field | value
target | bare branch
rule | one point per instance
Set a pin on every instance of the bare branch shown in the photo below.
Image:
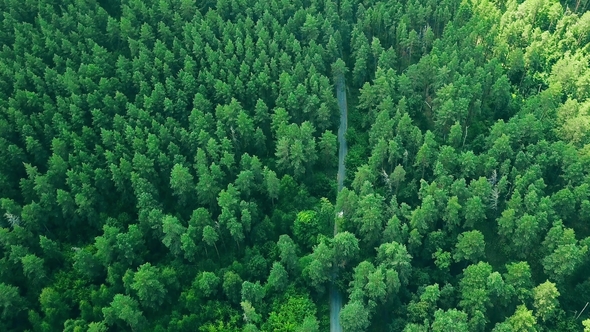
(12, 219)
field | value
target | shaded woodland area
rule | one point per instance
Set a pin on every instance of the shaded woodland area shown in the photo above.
(171, 165)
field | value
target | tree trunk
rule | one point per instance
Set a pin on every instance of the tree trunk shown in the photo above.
(217, 251)
(465, 137)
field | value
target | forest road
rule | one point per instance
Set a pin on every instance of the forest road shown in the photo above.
(341, 96)
(335, 296)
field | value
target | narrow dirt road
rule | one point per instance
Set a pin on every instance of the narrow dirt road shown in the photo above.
(341, 96)
(335, 296)
(335, 306)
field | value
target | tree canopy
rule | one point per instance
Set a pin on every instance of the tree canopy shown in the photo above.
(172, 165)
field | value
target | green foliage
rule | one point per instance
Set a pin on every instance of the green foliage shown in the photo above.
(306, 228)
(250, 315)
(339, 68)
(170, 165)
(519, 279)
(11, 301)
(207, 283)
(451, 320)
(545, 296)
(97, 327)
(173, 231)
(287, 251)
(278, 278)
(354, 317)
(470, 246)
(565, 254)
(125, 309)
(147, 282)
(346, 247)
(319, 268)
(295, 313)
(309, 324)
(232, 286)
(252, 292)
(182, 182)
(474, 293)
(395, 256)
(523, 320)
(53, 307)
(33, 268)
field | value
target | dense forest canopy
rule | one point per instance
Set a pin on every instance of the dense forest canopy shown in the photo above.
(171, 165)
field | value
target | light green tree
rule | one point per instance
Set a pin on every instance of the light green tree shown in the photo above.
(278, 278)
(207, 283)
(450, 320)
(125, 308)
(523, 320)
(182, 183)
(354, 317)
(470, 246)
(173, 231)
(545, 300)
(150, 289)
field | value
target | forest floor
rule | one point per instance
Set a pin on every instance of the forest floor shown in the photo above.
(335, 296)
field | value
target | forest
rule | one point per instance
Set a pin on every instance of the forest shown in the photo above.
(172, 165)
